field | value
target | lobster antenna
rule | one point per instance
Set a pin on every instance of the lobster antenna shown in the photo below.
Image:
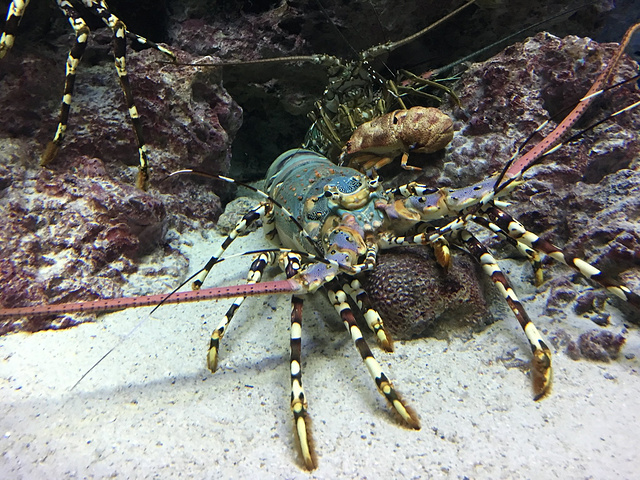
(516, 166)
(306, 255)
(167, 297)
(320, 59)
(378, 50)
(329, 60)
(565, 110)
(498, 186)
(507, 39)
(144, 320)
(337, 30)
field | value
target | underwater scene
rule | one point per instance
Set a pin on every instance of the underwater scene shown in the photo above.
(319, 239)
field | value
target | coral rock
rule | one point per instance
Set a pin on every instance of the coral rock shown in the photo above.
(415, 296)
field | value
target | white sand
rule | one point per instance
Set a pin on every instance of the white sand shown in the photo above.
(153, 410)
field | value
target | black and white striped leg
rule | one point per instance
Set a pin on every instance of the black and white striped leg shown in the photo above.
(291, 264)
(145, 41)
(516, 230)
(370, 314)
(73, 60)
(119, 53)
(254, 276)
(541, 361)
(100, 9)
(526, 250)
(262, 210)
(338, 299)
(14, 16)
(437, 236)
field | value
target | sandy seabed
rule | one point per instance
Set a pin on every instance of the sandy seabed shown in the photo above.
(151, 409)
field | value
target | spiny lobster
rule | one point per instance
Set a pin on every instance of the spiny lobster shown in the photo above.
(339, 218)
(82, 204)
(99, 8)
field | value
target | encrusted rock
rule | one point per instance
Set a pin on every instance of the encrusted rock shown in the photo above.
(76, 229)
(70, 236)
(597, 345)
(416, 297)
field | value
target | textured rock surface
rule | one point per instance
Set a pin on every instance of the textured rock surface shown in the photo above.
(70, 236)
(583, 198)
(78, 229)
(415, 296)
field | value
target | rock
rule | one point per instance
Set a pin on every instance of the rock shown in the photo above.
(596, 345)
(78, 228)
(416, 297)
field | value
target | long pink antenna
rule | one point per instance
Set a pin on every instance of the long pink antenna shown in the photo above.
(547, 143)
(109, 304)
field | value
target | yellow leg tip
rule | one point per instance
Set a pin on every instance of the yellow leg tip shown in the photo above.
(407, 415)
(302, 430)
(541, 374)
(49, 153)
(303, 440)
(212, 359)
(142, 182)
(384, 341)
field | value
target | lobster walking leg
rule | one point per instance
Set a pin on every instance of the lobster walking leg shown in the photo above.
(301, 420)
(14, 16)
(530, 253)
(516, 230)
(264, 209)
(73, 60)
(371, 315)
(100, 9)
(541, 361)
(338, 299)
(254, 276)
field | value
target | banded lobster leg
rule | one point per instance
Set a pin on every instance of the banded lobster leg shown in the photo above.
(456, 230)
(101, 10)
(541, 354)
(515, 230)
(370, 314)
(291, 264)
(264, 259)
(254, 276)
(530, 253)
(14, 17)
(338, 299)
